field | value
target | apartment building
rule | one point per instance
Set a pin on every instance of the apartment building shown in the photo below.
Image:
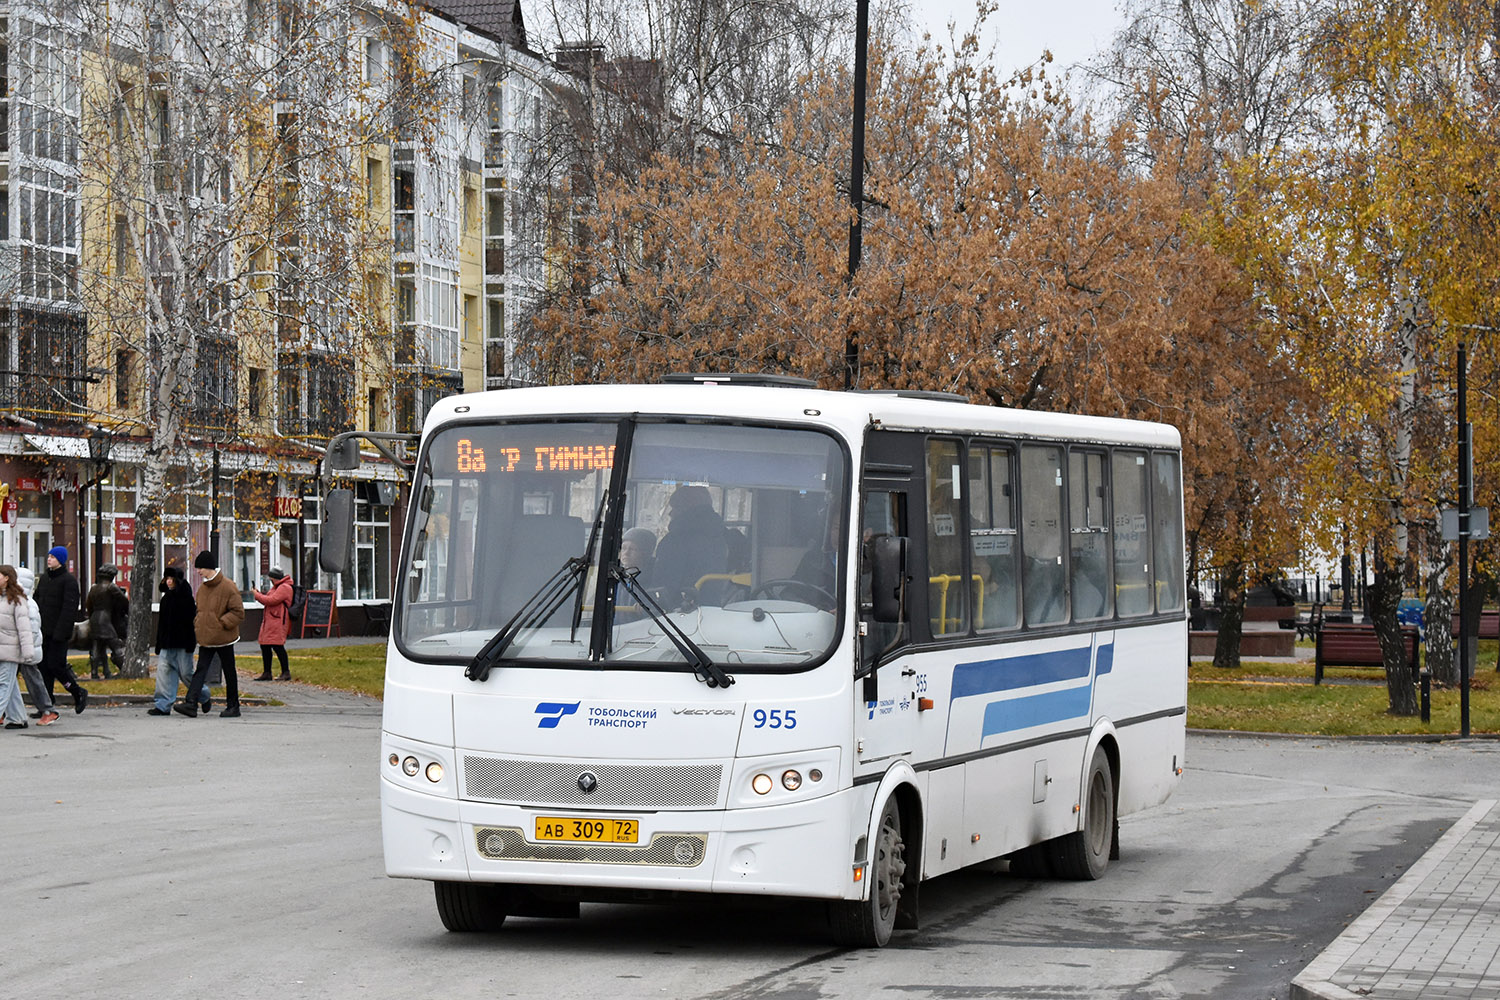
(245, 226)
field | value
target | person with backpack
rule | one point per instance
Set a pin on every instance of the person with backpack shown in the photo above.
(275, 622)
(15, 647)
(175, 641)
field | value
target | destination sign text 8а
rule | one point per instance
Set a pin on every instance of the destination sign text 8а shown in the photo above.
(537, 458)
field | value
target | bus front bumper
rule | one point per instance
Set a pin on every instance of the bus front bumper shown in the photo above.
(796, 849)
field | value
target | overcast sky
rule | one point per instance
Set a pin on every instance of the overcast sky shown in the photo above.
(1073, 29)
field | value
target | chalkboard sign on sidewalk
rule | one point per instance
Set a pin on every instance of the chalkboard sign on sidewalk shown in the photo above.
(321, 612)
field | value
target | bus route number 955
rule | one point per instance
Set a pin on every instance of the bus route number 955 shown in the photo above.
(776, 718)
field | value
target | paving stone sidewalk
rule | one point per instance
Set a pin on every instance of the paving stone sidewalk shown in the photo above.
(1434, 935)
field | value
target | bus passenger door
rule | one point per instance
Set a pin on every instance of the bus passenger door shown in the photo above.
(885, 693)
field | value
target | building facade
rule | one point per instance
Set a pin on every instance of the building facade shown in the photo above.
(232, 229)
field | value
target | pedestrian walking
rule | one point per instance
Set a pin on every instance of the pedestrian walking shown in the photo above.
(15, 647)
(216, 626)
(57, 599)
(275, 622)
(174, 642)
(42, 708)
(108, 611)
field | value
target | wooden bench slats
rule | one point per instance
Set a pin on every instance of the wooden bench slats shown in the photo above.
(1359, 646)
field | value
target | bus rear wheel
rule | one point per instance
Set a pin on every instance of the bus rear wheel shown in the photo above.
(868, 923)
(1084, 854)
(471, 906)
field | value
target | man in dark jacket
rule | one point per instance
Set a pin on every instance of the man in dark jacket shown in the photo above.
(57, 599)
(174, 641)
(108, 611)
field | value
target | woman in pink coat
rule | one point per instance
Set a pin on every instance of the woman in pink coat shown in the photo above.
(275, 622)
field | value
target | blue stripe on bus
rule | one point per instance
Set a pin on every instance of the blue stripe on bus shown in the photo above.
(987, 676)
(1035, 710)
(1106, 660)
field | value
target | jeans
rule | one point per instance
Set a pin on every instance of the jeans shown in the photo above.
(41, 698)
(173, 667)
(11, 705)
(206, 656)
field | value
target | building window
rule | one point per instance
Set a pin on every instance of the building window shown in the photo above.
(123, 378)
(378, 416)
(255, 405)
(122, 245)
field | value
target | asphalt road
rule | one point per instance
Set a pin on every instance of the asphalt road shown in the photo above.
(201, 858)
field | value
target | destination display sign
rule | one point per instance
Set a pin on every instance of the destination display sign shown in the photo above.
(553, 457)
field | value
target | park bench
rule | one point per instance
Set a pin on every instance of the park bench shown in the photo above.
(1489, 624)
(1359, 646)
(1284, 615)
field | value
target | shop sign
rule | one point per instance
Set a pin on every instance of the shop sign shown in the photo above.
(288, 507)
(125, 548)
(124, 529)
(29, 483)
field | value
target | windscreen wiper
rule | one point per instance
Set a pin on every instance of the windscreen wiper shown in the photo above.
(588, 555)
(705, 669)
(538, 608)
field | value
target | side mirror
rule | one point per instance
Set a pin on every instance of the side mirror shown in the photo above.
(888, 578)
(336, 548)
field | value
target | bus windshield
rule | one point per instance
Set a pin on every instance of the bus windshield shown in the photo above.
(726, 532)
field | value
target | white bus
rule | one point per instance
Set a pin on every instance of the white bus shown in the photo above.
(746, 636)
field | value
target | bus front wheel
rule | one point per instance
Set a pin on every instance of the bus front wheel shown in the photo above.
(868, 923)
(1084, 854)
(471, 906)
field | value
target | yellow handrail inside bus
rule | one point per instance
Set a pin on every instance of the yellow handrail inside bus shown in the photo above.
(941, 623)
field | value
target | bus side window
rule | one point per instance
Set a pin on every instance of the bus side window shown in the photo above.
(1088, 536)
(992, 537)
(1166, 508)
(1044, 590)
(1132, 534)
(948, 589)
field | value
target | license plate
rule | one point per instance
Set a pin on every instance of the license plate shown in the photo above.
(592, 831)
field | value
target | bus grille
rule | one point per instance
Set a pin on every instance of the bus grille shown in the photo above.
(674, 850)
(620, 786)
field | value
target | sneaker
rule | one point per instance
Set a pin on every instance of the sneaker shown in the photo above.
(208, 704)
(232, 712)
(153, 710)
(80, 699)
(186, 708)
(47, 719)
(16, 725)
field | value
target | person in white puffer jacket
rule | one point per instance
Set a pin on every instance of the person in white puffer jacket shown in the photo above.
(41, 699)
(15, 646)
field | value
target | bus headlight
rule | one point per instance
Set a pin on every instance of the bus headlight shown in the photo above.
(791, 780)
(411, 767)
(761, 783)
(434, 772)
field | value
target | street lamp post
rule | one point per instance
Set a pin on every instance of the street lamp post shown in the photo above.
(100, 445)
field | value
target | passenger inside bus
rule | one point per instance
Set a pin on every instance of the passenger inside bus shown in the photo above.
(697, 544)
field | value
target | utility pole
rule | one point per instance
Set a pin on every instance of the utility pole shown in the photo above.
(857, 174)
(1465, 491)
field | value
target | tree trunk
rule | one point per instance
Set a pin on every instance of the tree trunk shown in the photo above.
(1231, 624)
(141, 639)
(1437, 616)
(1385, 595)
(1473, 605)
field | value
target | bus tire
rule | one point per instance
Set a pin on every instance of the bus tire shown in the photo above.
(1084, 854)
(867, 923)
(470, 906)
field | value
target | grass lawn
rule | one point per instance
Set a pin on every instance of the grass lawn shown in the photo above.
(360, 669)
(1262, 697)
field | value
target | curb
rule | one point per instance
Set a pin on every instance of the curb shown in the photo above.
(1315, 981)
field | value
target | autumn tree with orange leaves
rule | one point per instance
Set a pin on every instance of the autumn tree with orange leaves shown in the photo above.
(1013, 253)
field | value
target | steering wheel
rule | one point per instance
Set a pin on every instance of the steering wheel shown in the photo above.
(796, 590)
